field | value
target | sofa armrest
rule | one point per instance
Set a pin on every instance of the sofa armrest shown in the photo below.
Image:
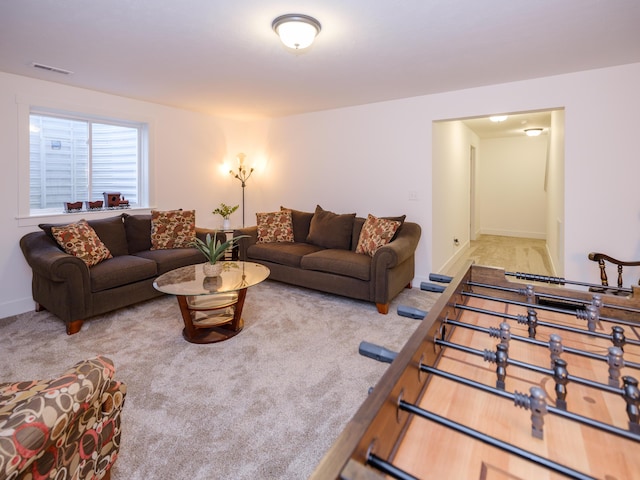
(246, 242)
(399, 250)
(36, 410)
(47, 260)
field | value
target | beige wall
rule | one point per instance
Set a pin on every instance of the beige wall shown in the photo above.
(511, 192)
(361, 159)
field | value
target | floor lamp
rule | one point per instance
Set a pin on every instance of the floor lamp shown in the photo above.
(243, 176)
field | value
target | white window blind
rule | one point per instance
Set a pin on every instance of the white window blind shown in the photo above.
(78, 159)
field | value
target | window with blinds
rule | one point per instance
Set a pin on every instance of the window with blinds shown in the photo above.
(74, 159)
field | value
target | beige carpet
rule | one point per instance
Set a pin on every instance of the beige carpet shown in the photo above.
(266, 404)
(513, 254)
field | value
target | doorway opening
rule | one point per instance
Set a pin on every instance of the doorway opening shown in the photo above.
(502, 188)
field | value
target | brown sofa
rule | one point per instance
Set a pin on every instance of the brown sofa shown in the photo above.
(341, 271)
(65, 286)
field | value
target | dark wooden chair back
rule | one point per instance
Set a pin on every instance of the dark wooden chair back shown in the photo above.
(602, 260)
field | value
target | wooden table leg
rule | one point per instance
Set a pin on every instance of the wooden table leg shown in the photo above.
(189, 329)
(216, 333)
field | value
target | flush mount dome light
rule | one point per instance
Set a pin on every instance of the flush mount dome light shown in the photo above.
(498, 118)
(295, 30)
(533, 132)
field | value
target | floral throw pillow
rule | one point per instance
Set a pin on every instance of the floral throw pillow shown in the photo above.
(172, 229)
(80, 240)
(376, 233)
(275, 227)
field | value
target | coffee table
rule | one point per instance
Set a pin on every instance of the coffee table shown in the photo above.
(211, 307)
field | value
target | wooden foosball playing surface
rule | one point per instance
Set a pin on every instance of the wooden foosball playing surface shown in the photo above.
(504, 381)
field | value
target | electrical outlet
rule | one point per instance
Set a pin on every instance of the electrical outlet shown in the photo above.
(413, 195)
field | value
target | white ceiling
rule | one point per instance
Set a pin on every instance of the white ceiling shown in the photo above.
(513, 126)
(221, 56)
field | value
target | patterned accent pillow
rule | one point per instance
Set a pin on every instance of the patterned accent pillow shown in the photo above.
(275, 227)
(376, 233)
(172, 229)
(82, 241)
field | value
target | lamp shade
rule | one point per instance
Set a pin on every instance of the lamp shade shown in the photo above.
(296, 31)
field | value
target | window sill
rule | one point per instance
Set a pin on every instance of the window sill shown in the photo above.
(70, 217)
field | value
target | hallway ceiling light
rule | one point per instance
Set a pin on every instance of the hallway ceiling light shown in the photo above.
(533, 132)
(498, 118)
(295, 30)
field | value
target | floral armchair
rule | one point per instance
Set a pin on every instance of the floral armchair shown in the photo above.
(67, 427)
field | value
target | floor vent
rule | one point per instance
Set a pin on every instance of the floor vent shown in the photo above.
(52, 69)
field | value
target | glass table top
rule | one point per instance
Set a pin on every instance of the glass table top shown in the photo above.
(191, 280)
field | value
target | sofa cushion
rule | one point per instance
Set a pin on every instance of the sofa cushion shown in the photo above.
(122, 270)
(339, 262)
(82, 241)
(359, 223)
(171, 258)
(301, 222)
(110, 230)
(275, 227)
(283, 253)
(330, 230)
(138, 231)
(172, 229)
(376, 233)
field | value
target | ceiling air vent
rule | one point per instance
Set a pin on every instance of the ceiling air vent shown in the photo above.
(52, 69)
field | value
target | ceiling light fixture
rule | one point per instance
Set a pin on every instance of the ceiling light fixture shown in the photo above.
(533, 132)
(295, 30)
(498, 118)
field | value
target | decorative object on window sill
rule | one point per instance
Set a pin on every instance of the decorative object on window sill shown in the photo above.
(243, 176)
(97, 205)
(225, 212)
(114, 199)
(296, 31)
(72, 206)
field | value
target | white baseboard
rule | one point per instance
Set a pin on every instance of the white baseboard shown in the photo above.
(448, 266)
(16, 307)
(415, 283)
(511, 233)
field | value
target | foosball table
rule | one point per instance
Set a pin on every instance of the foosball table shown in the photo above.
(504, 380)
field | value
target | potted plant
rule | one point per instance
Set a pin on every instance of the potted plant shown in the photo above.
(225, 212)
(213, 250)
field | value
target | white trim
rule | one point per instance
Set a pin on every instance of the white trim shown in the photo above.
(34, 220)
(511, 233)
(28, 104)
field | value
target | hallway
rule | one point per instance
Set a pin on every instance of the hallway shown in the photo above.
(527, 255)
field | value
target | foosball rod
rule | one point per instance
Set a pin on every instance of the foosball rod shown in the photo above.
(560, 281)
(612, 429)
(545, 308)
(387, 468)
(539, 343)
(522, 319)
(494, 442)
(383, 354)
(447, 279)
(549, 296)
(531, 367)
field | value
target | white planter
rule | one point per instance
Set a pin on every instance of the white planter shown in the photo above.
(226, 224)
(212, 269)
